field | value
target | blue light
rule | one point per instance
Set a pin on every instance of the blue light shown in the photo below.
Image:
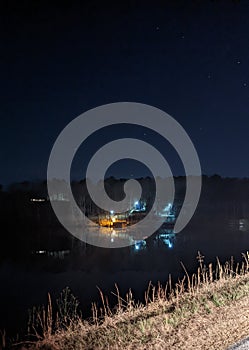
(170, 245)
(137, 246)
(112, 212)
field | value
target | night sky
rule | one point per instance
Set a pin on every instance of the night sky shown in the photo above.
(188, 58)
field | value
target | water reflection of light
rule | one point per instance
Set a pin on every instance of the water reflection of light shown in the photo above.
(167, 242)
(167, 237)
(244, 225)
(140, 245)
(137, 240)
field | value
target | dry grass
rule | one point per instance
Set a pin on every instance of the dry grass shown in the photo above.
(209, 310)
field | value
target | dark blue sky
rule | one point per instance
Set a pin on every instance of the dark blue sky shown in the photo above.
(189, 58)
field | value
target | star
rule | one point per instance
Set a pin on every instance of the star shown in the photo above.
(157, 28)
(209, 76)
(238, 62)
(245, 84)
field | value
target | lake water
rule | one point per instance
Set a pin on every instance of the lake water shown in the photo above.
(25, 284)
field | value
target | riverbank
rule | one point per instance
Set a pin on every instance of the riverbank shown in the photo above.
(208, 310)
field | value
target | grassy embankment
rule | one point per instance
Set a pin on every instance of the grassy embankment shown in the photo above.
(208, 310)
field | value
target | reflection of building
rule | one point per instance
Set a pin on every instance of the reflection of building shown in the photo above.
(244, 224)
(58, 254)
(167, 237)
(139, 245)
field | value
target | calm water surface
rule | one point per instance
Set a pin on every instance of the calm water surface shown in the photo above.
(26, 284)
